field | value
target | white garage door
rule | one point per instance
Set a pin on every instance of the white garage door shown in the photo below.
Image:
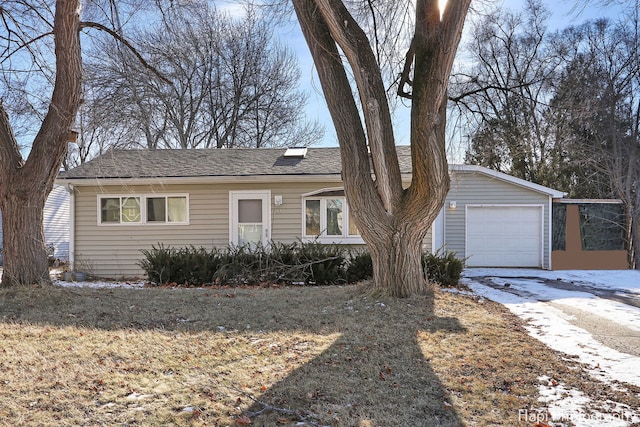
(504, 236)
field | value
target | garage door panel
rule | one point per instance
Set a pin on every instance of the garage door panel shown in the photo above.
(504, 236)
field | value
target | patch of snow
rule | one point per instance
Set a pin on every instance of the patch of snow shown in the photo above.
(137, 396)
(606, 279)
(525, 293)
(563, 405)
(551, 326)
(622, 314)
(100, 284)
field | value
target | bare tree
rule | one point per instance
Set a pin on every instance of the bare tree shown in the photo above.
(231, 84)
(597, 114)
(34, 36)
(392, 220)
(25, 184)
(505, 93)
(558, 109)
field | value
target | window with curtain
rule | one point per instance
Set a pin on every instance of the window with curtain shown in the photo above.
(157, 209)
(326, 215)
(117, 210)
(110, 210)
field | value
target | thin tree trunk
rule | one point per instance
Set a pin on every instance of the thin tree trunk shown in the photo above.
(634, 233)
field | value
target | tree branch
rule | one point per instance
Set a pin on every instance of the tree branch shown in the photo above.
(487, 88)
(375, 28)
(145, 64)
(406, 71)
(23, 45)
(341, 104)
(9, 151)
(346, 32)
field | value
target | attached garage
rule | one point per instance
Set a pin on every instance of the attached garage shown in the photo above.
(491, 219)
(504, 236)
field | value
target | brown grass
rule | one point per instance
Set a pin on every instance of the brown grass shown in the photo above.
(325, 356)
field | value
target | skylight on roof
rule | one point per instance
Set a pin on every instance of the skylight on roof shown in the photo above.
(296, 152)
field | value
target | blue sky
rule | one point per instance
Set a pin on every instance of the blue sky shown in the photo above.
(564, 14)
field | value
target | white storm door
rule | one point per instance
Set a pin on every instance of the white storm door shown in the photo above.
(250, 217)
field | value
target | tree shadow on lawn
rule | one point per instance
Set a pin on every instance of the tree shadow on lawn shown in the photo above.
(373, 374)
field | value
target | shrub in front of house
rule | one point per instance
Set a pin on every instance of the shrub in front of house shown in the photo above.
(159, 263)
(301, 263)
(443, 268)
(322, 264)
(360, 267)
(308, 263)
(188, 266)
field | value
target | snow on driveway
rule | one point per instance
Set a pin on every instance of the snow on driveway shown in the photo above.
(591, 315)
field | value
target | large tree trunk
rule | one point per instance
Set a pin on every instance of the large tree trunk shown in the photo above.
(396, 241)
(397, 262)
(24, 253)
(393, 221)
(25, 185)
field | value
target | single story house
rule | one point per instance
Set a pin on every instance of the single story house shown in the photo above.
(56, 223)
(127, 200)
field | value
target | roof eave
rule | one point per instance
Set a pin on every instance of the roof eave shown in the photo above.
(196, 179)
(511, 179)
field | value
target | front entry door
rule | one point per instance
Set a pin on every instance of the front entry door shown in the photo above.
(250, 215)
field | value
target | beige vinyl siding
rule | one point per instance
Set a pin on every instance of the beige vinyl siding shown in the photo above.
(113, 250)
(480, 189)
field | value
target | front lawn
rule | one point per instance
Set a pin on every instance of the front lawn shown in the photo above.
(287, 356)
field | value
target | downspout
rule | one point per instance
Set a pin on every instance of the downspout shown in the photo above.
(72, 222)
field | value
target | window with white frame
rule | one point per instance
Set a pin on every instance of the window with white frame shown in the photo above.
(326, 216)
(141, 209)
(167, 209)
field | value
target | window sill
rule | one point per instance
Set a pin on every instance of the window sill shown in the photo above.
(337, 240)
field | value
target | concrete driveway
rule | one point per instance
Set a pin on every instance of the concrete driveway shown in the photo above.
(594, 315)
(609, 332)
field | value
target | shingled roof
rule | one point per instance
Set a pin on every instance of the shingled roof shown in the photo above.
(215, 163)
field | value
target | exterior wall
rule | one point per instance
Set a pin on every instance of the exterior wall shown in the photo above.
(575, 258)
(479, 189)
(56, 221)
(114, 250)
